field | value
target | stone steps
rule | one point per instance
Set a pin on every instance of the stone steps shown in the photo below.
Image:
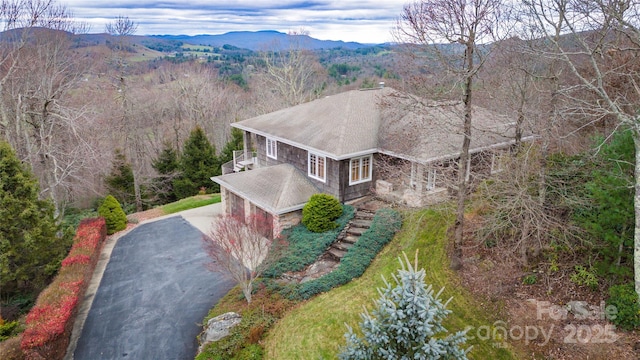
(356, 231)
(356, 227)
(336, 254)
(360, 223)
(362, 214)
(342, 245)
(350, 239)
(331, 258)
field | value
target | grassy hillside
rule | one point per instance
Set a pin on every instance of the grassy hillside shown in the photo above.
(315, 329)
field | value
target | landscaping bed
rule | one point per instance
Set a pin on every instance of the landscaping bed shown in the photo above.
(316, 327)
(274, 299)
(49, 323)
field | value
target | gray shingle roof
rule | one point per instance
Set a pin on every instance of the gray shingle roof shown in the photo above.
(277, 189)
(338, 126)
(360, 122)
(425, 132)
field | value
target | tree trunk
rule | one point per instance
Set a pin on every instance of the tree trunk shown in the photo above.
(636, 208)
(521, 105)
(464, 159)
(135, 161)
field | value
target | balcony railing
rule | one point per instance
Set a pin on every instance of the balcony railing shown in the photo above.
(239, 162)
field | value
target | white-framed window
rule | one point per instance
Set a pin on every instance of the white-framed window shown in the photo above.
(272, 148)
(360, 169)
(317, 167)
(431, 178)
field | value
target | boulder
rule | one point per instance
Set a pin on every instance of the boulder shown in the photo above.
(218, 328)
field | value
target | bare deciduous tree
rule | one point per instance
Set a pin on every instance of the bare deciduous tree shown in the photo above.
(294, 73)
(121, 26)
(38, 76)
(519, 223)
(427, 23)
(241, 248)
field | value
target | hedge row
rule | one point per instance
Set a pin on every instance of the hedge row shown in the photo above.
(50, 321)
(305, 246)
(385, 224)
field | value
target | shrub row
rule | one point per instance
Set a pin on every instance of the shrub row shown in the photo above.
(305, 246)
(383, 227)
(50, 321)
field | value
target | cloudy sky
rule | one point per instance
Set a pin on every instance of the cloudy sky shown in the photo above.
(367, 21)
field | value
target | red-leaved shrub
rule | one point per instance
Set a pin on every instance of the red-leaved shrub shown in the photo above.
(77, 259)
(50, 321)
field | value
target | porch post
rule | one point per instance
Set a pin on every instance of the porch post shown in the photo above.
(419, 181)
(246, 140)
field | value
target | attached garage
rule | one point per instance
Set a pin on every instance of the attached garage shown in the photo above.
(276, 193)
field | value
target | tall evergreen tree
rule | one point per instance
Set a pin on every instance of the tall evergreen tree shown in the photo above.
(30, 249)
(607, 213)
(120, 179)
(197, 165)
(236, 143)
(167, 165)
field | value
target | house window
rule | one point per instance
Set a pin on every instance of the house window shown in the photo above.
(431, 178)
(317, 167)
(272, 148)
(360, 170)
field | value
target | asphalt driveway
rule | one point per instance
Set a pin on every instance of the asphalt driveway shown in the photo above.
(153, 295)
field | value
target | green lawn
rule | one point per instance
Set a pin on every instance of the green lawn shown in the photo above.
(315, 329)
(190, 203)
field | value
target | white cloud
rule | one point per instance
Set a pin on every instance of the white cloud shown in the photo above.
(362, 21)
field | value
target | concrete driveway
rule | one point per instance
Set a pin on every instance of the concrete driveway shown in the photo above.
(153, 294)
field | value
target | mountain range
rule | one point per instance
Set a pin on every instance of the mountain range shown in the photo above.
(261, 40)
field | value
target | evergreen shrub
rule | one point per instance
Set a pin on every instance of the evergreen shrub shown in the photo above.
(31, 241)
(625, 299)
(113, 215)
(319, 213)
(8, 329)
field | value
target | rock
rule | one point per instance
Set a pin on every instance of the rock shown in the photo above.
(456, 263)
(218, 328)
(318, 269)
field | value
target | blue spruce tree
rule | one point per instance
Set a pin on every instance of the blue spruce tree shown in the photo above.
(406, 323)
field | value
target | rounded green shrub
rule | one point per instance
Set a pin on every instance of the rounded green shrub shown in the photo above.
(625, 299)
(318, 214)
(113, 215)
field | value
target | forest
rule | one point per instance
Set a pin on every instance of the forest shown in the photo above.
(147, 121)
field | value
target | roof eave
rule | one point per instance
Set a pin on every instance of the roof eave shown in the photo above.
(303, 146)
(453, 155)
(258, 203)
